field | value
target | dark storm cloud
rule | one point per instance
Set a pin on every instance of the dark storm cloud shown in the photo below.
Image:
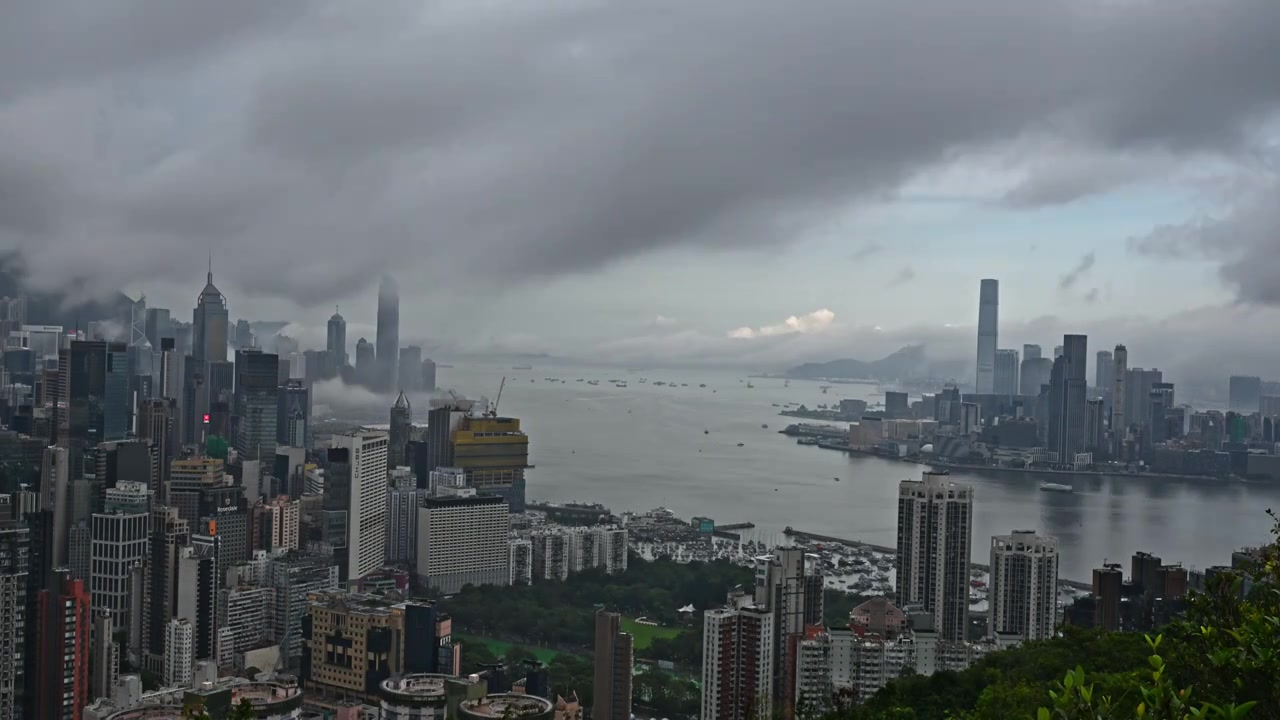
(1081, 268)
(313, 146)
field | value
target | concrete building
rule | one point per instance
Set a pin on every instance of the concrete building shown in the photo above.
(188, 479)
(988, 335)
(1024, 585)
(401, 432)
(244, 620)
(403, 500)
(1244, 393)
(209, 325)
(790, 585)
(737, 661)
(1006, 372)
(426, 696)
(521, 561)
(813, 676)
(864, 661)
(574, 549)
(463, 541)
(494, 453)
(1119, 423)
(550, 556)
(1068, 392)
(293, 417)
(58, 678)
(179, 657)
(1104, 370)
(14, 578)
(168, 535)
(336, 344)
(257, 403)
(935, 534)
(119, 543)
(197, 593)
(104, 655)
(276, 524)
(293, 579)
(613, 669)
(356, 476)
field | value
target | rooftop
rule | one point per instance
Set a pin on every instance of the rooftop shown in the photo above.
(507, 706)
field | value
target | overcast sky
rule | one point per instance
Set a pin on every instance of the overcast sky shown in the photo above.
(718, 179)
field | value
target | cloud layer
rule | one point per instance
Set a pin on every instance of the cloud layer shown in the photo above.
(313, 146)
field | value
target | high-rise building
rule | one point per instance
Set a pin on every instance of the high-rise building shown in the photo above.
(244, 613)
(1119, 398)
(1104, 372)
(521, 561)
(156, 425)
(988, 332)
(1033, 373)
(814, 687)
(388, 339)
(935, 535)
(790, 585)
(188, 479)
(737, 661)
(463, 541)
(1108, 586)
(428, 375)
(14, 578)
(1006, 372)
(169, 534)
(119, 536)
(410, 368)
(293, 415)
(158, 326)
(275, 524)
(494, 453)
(179, 653)
(1095, 427)
(59, 686)
(366, 363)
(293, 579)
(401, 432)
(1031, 352)
(442, 422)
(1160, 402)
(1244, 393)
(1138, 385)
(403, 500)
(93, 396)
(613, 668)
(256, 403)
(357, 468)
(1068, 391)
(198, 582)
(104, 658)
(209, 325)
(1024, 585)
(336, 343)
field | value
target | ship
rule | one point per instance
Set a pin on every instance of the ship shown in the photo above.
(1056, 487)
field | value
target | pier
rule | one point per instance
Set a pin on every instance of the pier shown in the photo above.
(727, 532)
(792, 532)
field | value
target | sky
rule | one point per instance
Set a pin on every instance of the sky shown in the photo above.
(720, 181)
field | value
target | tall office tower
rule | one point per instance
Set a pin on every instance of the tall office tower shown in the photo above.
(209, 325)
(1119, 397)
(198, 582)
(988, 331)
(357, 469)
(256, 404)
(613, 668)
(494, 453)
(1160, 403)
(403, 500)
(1244, 393)
(366, 363)
(59, 687)
(790, 585)
(119, 536)
(55, 490)
(1006, 378)
(293, 415)
(442, 422)
(224, 512)
(156, 425)
(242, 335)
(428, 375)
(1138, 385)
(1031, 352)
(1095, 427)
(1024, 585)
(157, 326)
(179, 653)
(290, 471)
(336, 343)
(401, 432)
(293, 578)
(1035, 372)
(1108, 585)
(410, 368)
(1057, 351)
(1104, 371)
(1068, 391)
(275, 526)
(105, 656)
(388, 338)
(126, 461)
(188, 478)
(935, 535)
(737, 661)
(14, 577)
(463, 541)
(93, 392)
(169, 534)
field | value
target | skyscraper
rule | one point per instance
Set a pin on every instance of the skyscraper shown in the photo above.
(1031, 352)
(789, 583)
(401, 432)
(293, 415)
(1138, 385)
(494, 453)
(613, 667)
(463, 541)
(988, 331)
(14, 576)
(1024, 585)
(388, 339)
(428, 375)
(737, 661)
(410, 368)
(60, 685)
(169, 534)
(366, 363)
(179, 653)
(1035, 372)
(358, 463)
(1104, 372)
(1006, 378)
(935, 534)
(157, 326)
(336, 342)
(1244, 393)
(209, 325)
(93, 396)
(1119, 399)
(257, 404)
(1068, 392)
(119, 537)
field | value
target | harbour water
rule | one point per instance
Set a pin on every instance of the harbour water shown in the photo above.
(644, 446)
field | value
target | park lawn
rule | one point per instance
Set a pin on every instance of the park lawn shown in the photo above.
(500, 648)
(644, 635)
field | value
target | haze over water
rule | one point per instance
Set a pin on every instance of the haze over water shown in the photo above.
(642, 446)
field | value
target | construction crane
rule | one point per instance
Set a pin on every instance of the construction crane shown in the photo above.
(493, 411)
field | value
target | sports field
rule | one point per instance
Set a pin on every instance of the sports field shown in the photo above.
(645, 634)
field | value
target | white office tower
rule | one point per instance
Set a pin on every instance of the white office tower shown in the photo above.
(179, 649)
(463, 541)
(988, 334)
(550, 556)
(935, 534)
(1024, 585)
(521, 561)
(403, 500)
(446, 481)
(813, 690)
(118, 544)
(737, 661)
(367, 503)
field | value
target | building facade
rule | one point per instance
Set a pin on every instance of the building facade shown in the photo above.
(1024, 585)
(988, 335)
(935, 534)
(362, 458)
(613, 669)
(737, 661)
(463, 541)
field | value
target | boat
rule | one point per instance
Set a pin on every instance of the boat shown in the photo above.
(766, 427)
(1056, 487)
(522, 367)
(741, 444)
(750, 386)
(706, 432)
(702, 385)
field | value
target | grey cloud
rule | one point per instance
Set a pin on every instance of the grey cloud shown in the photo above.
(867, 249)
(1081, 268)
(1091, 296)
(904, 276)
(314, 146)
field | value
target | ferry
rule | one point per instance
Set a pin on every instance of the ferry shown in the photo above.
(1056, 487)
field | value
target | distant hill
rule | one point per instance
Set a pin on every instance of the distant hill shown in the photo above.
(51, 308)
(909, 362)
